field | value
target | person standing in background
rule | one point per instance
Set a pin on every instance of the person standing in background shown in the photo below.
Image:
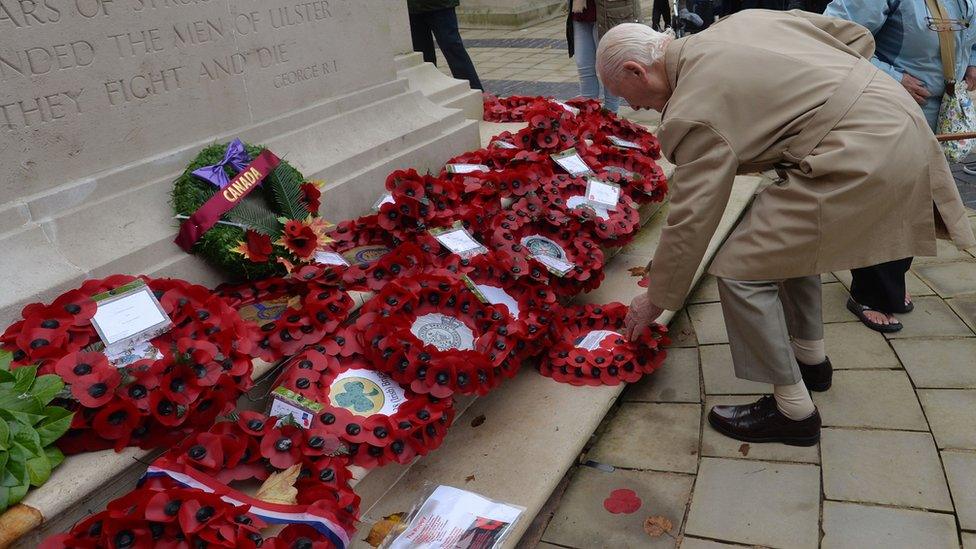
(430, 19)
(587, 21)
(661, 9)
(907, 39)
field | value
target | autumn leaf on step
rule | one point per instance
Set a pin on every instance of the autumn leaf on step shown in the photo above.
(382, 528)
(280, 487)
(637, 271)
(476, 422)
(657, 526)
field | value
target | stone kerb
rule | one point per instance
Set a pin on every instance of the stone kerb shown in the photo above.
(103, 103)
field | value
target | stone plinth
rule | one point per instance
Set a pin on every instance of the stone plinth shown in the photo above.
(104, 102)
(508, 14)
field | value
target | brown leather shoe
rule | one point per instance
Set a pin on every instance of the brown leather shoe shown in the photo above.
(762, 421)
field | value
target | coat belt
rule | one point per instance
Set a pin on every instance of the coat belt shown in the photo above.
(831, 112)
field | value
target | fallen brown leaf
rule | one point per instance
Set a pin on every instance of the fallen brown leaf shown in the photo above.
(469, 478)
(637, 271)
(657, 526)
(476, 422)
(744, 449)
(382, 528)
(280, 486)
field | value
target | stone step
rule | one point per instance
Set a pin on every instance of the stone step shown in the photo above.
(350, 142)
(438, 87)
(534, 428)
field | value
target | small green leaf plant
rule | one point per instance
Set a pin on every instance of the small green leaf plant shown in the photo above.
(29, 426)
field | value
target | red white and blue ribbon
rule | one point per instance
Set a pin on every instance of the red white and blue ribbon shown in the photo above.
(272, 513)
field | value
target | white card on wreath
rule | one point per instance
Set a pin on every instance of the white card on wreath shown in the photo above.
(503, 144)
(601, 193)
(385, 199)
(323, 257)
(466, 168)
(572, 162)
(623, 143)
(498, 296)
(593, 339)
(569, 108)
(459, 241)
(129, 314)
(561, 266)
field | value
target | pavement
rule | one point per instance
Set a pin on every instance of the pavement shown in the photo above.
(896, 466)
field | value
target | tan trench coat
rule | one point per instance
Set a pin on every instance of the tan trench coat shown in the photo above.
(860, 173)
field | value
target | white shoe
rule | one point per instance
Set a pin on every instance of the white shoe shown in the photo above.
(970, 171)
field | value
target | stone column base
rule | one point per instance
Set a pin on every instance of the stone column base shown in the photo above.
(508, 14)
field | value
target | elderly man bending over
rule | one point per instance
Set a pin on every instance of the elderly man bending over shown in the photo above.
(860, 171)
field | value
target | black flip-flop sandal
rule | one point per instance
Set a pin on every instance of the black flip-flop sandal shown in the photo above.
(859, 309)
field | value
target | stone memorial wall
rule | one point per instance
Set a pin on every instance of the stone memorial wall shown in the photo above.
(103, 102)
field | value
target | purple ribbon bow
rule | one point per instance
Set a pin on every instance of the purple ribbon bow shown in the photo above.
(235, 156)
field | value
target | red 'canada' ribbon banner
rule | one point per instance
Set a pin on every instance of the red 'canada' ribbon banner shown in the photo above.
(209, 214)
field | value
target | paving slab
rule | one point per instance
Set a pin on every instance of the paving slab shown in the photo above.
(947, 251)
(756, 502)
(950, 279)
(719, 377)
(960, 469)
(681, 331)
(965, 307)
(968, 540)
(854, 526)
(931, 318)
(888, 467)
(715, 444)
(952, 415)
(582, 521)
(677, 380)
(706, 292)
(852, 345)
(709, 323)
(661, 437)
(866, 398)
(835, 303)
(939, 363)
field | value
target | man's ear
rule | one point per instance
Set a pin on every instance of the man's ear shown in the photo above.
(634, 68)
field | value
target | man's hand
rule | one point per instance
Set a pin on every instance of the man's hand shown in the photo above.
(641, 314)
(917, 89)
(970, 78)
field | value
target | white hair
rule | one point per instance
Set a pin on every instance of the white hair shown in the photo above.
(629, 42)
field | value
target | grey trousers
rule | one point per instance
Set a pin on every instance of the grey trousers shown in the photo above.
(761, 316)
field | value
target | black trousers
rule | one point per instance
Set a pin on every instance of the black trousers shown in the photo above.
(881, 287)
(661, 8)
(443, 25)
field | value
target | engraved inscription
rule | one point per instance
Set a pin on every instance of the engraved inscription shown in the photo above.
(173, 46)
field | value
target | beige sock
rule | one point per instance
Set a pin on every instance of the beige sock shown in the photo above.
(793, 400)
(809, 351)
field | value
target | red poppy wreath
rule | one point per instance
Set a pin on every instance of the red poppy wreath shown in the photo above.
(374, 255)
(292, 312)
(611, 227)
(187, 499)
(379, 421)
(565, 250)
(589, 349)
(433, 335)
(186, 378)
(638, 175)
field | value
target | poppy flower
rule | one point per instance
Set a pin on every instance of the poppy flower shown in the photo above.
(299, 239)
(312, 195)
(282, 446)
(255, 247)
(116, 421)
